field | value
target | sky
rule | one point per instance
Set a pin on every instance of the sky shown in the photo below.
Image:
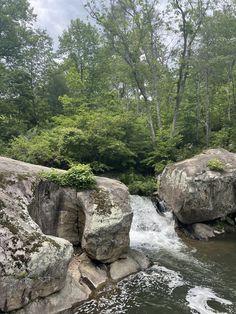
(55, 15)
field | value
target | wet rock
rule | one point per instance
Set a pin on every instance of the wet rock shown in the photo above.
(108, 218)
(197, 194)
(203, 231)
(134, 262)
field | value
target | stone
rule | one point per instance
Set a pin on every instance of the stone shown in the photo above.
(202, 231)
(140, 258)
(94, 275)
(73, 293)
(108, 218)
(34, 213)
(32, 265)
(134, 262)
(197, 194)
(56, 211)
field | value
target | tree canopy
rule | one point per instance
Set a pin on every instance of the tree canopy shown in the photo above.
(128, 93)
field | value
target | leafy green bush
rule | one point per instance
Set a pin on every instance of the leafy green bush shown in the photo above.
(138, 184)
(54, 176)
(79, 176)
(215, 165)
(166, 152)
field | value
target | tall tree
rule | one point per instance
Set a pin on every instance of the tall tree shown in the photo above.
(131, 28)
(189, 17)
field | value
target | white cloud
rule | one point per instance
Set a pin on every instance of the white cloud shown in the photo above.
(55, 15)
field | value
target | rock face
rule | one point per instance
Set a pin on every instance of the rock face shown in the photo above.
(83, 277)
(108, 218)
(74, 291)
(197, 194)
(33, 214)
(32, 265)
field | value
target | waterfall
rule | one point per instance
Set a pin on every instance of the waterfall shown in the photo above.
(153, 231)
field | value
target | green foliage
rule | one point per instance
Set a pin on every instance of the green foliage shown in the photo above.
(166, 152)
(105, 140)
(139, 184)
(79, 176)
(215, 165)
(111, 99)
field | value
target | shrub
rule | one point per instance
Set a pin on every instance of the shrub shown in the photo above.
(215, 165)
(79, 176)
(138, 184)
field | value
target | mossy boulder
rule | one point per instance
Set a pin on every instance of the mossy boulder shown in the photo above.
(38, 222)
(196, 192)
(108, 218)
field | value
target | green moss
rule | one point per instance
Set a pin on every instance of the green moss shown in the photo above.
(22, 177)
(79, 177)
(54, 243)
(102, 200)
(21, 275)
(215, 165)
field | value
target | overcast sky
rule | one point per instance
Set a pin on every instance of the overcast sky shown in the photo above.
(55, 15)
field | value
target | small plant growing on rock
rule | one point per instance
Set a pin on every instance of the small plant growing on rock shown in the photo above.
(79, 176)
(215, 165)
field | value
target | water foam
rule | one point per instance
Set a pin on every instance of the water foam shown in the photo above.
(198, 297)
(152, 231)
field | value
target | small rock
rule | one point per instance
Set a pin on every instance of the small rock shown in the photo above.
(94, 275)
(203, 231)
(134, 262)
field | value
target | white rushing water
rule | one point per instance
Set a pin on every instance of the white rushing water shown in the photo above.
(152, 231)
(155, 232)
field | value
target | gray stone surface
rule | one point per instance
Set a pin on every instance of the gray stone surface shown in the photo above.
(94, 275)
(134, 262)
(34, 265)
(197, 194)
(203, 231)
(108, 218)
(74, 292)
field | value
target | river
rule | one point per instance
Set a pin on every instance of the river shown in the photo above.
(187, 276)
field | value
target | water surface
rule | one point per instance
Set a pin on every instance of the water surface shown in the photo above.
(186, 277)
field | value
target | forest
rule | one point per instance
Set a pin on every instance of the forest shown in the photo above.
(136, 88)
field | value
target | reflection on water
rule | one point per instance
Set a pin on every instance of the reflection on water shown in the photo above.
(187, 277)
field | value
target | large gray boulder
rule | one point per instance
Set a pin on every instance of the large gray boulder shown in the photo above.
(108, 218)
(35, 212)
(32, 265)
(197, 194)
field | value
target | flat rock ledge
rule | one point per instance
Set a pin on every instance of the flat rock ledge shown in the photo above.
(84, 277)
(39, 224)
